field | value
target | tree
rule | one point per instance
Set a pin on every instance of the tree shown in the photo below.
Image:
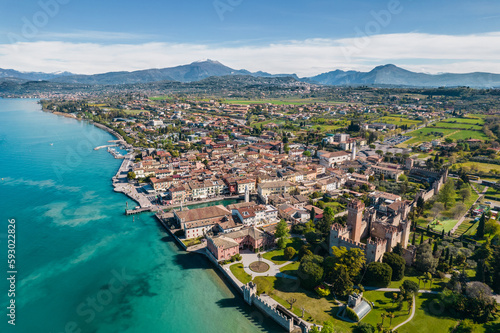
(310, 271)
(424, 260)
(480, 227)
(289, 252)
(403, 178)
(307, 153)
(378, 274)
(447, 193)
(437, 208)
(131, 175)
(397, 264)
(420, 205)
(343, 267)
(291, 301)
(398, 249)
(327, 220)
(391, 317)
(282, 234)
(465, 193)
(364, 328)
(282, 242)
(328, 327)
(465, 326)
(408, 288)
(492, 227)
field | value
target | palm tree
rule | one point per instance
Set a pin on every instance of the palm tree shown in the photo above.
(383, 315)
(379, 327)
(410, 303)
(391, 317)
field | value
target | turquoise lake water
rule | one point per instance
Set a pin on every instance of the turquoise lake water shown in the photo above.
(83, 266)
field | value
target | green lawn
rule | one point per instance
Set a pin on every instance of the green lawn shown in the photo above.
(277, 256)
(427, 134)
(446, 219)
(317, 309)
(464, 135)
(290, 269)
(240, 274)
(436, 284)
(464, 126)
(476, 166)
(383, 304)
(443, 224)
(398, 120)
(192, 241)
(430, 317)
(466, 225)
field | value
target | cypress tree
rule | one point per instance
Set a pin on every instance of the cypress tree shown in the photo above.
(414, 236)
(451, 261)
(480, 227)
(422, 237)
(442, 234)
(447, 255)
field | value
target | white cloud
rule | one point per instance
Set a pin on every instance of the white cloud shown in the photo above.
(414, 51)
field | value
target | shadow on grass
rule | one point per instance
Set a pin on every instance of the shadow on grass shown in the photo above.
(434, 307)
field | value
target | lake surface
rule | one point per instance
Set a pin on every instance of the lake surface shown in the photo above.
(83, 266)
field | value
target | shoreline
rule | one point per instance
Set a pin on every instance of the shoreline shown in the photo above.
(120, 185)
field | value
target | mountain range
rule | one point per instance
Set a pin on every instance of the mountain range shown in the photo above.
(387, 75)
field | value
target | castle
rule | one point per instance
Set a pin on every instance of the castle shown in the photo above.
(375, 230)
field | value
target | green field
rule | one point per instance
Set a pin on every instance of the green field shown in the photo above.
(240, 274)
(281, 102)
(430, 317)
(457, 125)
(398, 120)
(278, 257)
(426, 135)
(465, 135)
(383, 304)
(476, 166)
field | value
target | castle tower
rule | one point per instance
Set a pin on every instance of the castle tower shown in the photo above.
(355, 218)
(353, 152)
(409, 163)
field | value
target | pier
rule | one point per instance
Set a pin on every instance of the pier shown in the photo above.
(138, 210)
(105, 146)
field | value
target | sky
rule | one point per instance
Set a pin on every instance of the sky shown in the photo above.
(303, 37)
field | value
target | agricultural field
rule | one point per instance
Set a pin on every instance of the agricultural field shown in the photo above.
(465, 135)
(476, 167)
(444, 124)
(282, 102)
(426, 135)
(398, 120)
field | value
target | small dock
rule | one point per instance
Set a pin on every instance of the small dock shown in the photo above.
(106, 146)
(138, 210)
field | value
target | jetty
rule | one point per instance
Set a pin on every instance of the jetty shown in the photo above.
(105, 146)
(138, 210)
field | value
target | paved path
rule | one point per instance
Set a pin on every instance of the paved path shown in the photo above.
(411, 317)
(462, 219)
(422, 291)
(249, 258)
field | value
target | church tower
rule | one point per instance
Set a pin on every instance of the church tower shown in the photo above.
(353, 152)
(247, 194)
(355, 210)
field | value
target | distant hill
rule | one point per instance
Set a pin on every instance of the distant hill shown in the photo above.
(30, 76)
(391, 75)
(387, 75)
(195, 71)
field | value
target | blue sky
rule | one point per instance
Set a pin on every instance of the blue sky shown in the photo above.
(306, 37)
